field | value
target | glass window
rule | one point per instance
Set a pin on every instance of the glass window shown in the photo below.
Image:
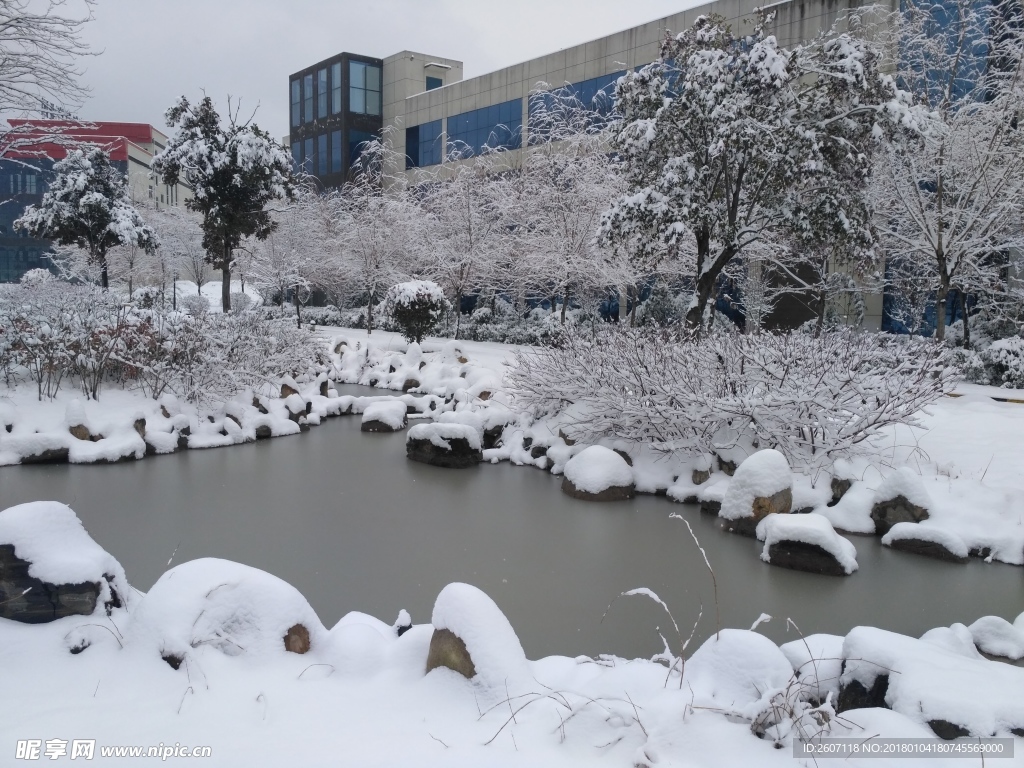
(596, 95)
(321, 155)
(423, 145)
(356, 140)
(499, 126)
(309, 156)
(321, 93)
(296, 158)
(363, 88)
(337, 158)
(336, 88)
(30, 183)
(296, 103)
(307, 99)
(434, 82)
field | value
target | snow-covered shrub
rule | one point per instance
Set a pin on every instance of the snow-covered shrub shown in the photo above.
(240, 302)
(812, 399)
(195, 304)
(1004, 362)
(416, 307)
(147, 297)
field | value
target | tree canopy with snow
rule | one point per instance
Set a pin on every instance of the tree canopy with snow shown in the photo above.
(728, 140)
(235, 170)
(87, 205)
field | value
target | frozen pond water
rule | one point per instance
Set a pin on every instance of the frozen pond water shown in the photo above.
(353, 525)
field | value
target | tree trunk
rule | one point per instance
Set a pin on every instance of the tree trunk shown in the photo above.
(458, 312)
(707, 277)
(634, 296)
(104, 277)
(820, 324)
(941, 299)
(565, 303)
(298, 311)
(369, 314)
(623, 302)
(225, 283)
(967, 327)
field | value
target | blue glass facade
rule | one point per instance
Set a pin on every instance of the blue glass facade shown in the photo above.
(22, 183)
(423, 145)
(596, 95)
(356, 140)
(336, 155)
(499, 126)
(434, 82)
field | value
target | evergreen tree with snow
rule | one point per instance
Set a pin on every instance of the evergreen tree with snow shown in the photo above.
(234, 169)
(729, 141)
(87, 205)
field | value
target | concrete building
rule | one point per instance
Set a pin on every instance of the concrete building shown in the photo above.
(25, 170)
(431, 110)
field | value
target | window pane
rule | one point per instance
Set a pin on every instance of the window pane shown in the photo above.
(373, 102)
(296, 103)
(372, 78)
(357, 100)
(336, 88)
(321, 155)
(296, 155)
(356, 74)
(307, 98)
(307, 164)
(434, 82)
(336, 156)
(321, 93)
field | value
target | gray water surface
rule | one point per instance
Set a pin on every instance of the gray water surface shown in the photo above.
(345, 518)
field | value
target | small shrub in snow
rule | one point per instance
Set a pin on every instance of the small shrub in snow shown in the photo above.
(416, 307)
(1004, 363)
(195, 304)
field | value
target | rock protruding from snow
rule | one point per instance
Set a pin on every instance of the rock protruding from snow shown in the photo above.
(473, 637)
(940, 688)
(901, 498)
(228, 606)
(454, 446)
(385, 416)
(76, 422)
(51, 568)
(761, 486)
(928, 541)
(598, 474)
(996, 636)
(806, 543)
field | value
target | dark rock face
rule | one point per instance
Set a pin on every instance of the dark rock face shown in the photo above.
(729, 467)
(49, 456)
(140, 427)
(928, 549)
(492, 436)
(288, 391)
(259, 406)
(234, 419)
(565, 438)
(538, 450)
(839, 489)
(625, 456)
(296, 639)
(461, 455)
(700, 476)
(263, 432)
(947, 730)
(800, 556)
(80, 432)
(324, 387)
(743, 526)
(899, 510)
(856, 696)
(981, 552)
(410, 384)
(183, 436)
(710, 507)
(613, 493)
(173, 661)
(26, 599)
(448, 650)
(377, 426)
(780, 503)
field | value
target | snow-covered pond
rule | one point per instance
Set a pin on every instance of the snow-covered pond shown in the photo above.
(353, 525)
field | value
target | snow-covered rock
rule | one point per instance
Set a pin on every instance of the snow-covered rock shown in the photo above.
(956, 638)
(818, 663)
(385, 416)
(926, 540)
(806, 543)
(598, 474)
(901, 498)
(943, 689)
(455, 446)
(473, 637)
(761, 486)
(996, 636)
(51, 568)
(224, 605)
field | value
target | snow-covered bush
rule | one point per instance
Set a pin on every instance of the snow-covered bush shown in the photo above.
(240, 302)
(147, 297)
(812, 399)
(195, 304)
(1004, 362)
(416, 307)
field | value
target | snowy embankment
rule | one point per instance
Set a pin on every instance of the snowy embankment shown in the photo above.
(226, 656)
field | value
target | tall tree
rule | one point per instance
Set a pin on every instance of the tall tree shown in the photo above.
(950, 198)
(87, 205)
(725, 137)
(235, 170)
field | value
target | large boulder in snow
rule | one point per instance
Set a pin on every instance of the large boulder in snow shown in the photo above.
(930, 542)
(473, 637)
(946, 690)
(51, 568)
(598, 474)
(385, 416)
(806, 543)
(901, 498)
(223, 605)
(453, 446)
(996, 636)
(761, 486)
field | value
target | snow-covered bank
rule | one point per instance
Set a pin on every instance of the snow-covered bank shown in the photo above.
(222, 655)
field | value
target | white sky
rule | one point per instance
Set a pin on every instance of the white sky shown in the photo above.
(154, 51)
